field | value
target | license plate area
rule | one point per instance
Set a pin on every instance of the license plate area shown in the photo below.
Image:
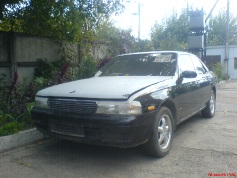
(67, 129)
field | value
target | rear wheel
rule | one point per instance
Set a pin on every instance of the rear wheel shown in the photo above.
(161, 136)
(209, 110)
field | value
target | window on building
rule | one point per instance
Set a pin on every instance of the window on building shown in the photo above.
(235, 62)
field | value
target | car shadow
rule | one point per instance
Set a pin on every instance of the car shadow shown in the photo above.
(67, 154)
(74, 149)
(60, 148)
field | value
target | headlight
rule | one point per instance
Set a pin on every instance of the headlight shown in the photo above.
(133, 108)
(41, 102)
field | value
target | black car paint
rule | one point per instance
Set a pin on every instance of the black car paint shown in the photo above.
(183, 97)
(113, 130)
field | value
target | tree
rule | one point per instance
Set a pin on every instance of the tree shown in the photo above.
(62, 19)
(5, 2)
(217, 29)
(172, 34)
(110, 35)
(120, 41)
(142, 45)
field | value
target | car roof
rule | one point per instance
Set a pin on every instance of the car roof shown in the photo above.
(152, 52)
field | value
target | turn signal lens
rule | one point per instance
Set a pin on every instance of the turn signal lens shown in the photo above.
(151, 108)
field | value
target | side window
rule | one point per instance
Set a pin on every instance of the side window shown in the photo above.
(185, 63)
(200, 69)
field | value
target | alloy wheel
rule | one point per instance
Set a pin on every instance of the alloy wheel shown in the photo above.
(164, 131)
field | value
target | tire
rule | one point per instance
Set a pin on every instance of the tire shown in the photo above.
(209, 110)
(161, 135)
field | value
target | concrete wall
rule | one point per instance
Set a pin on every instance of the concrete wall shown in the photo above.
(100, 51)
(29, 49)
(19, 53)
(4, 47)
(5, 54)
(229, 65)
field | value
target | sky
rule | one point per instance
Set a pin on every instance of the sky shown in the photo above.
(156, 10)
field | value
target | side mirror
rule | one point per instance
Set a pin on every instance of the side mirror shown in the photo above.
(186, 74)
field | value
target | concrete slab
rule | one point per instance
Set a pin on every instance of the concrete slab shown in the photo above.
(19, 139)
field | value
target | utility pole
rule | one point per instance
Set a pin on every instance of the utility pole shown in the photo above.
(138, 13)
(227, 35)
(209, 15)
(139, 19)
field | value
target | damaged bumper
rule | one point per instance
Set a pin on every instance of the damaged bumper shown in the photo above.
(111, 130)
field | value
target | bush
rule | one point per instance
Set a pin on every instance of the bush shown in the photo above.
(218, 70)
(15, 106)
(48, 74)
(87, 67)
(17, 97)
(11, 128)
(102, 62)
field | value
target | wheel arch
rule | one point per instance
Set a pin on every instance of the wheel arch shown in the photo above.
(214, 89)
(171, 106)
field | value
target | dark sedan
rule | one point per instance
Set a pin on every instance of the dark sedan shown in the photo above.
(135, 99)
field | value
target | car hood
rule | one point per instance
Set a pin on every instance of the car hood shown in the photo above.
(112, 87)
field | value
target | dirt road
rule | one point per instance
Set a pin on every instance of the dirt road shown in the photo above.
(201, 148)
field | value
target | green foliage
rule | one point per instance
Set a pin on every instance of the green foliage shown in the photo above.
(102, 62)
(17, 97)
(71, 20)
(10, 124)
(3, 3)
(15, 106)
(87, 67)
(10, 128)
(120, 41)
(109, 34)
(40, 81)
(172, 34)
(143, 45)
(217, 29)
(44, 69)
(52, 73)
(218, 70)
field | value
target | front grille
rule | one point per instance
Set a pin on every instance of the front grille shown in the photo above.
(72, 106)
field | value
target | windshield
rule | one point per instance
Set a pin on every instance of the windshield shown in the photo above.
(156, 64)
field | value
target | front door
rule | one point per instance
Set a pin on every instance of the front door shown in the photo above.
(204, 80)
(188, 93)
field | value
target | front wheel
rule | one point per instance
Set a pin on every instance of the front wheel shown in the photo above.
(161, 136)
(209, 110)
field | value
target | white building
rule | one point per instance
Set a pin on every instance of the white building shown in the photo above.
(217, 54)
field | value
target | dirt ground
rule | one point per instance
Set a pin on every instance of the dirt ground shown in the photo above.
(201, 148)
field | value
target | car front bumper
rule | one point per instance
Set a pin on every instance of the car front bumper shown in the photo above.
(111, 130)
